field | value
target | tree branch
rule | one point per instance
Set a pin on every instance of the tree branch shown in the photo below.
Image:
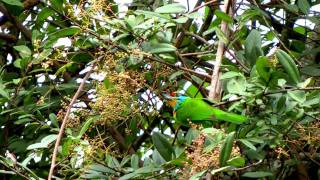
(65, 119)
(26, 32)
(214, 92)
(186, 26)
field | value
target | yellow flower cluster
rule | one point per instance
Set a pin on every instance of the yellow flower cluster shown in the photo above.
(115, 101)
(200, 160)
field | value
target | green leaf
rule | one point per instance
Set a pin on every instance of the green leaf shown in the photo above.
(54, 120)
(23, 50)
(257, 174)
(53, 37)
(230, 74)
(225, 17)
(198, 175)
(236, 86)
(226, 149)
(299, 96)
(263, 67)
(3, 92)
(248, 144)
(86, 125)
(44, 142)
(304, 6)
(221, 35)
(135, 161)
(157, 48)
(289, 66)
(57, 5)
(42, 56)
(101, 168)
(150, 14)
(311, 70)
(81, 57)
(171, 9)
(163, 146)
(253, 47)
(44, 14)
(13, 2)
(236, 161)
(191, 135)
(175, 75)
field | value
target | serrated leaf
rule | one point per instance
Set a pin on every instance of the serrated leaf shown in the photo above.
(171, 9)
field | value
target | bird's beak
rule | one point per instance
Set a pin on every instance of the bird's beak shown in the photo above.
(171, 101)
(166, 96)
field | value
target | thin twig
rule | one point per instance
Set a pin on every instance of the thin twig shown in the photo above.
(65, 119)
(198, 37)
(196, 53)
(238, 61)
(205, 4)
(249, 166)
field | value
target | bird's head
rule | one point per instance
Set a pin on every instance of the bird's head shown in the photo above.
(174, 101)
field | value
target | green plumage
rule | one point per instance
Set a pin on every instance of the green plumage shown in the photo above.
(199, 111)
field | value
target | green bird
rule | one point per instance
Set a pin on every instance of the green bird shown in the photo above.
(197, 110)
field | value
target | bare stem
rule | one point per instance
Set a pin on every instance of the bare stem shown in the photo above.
(214, 90)
(65, 119)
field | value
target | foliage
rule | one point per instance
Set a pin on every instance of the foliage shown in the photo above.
(120, 126)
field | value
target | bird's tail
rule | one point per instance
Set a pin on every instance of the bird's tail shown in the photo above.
(229, 117)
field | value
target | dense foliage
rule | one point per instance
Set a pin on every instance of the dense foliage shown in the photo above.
(120, 125)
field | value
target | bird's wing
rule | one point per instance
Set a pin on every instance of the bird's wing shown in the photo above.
(198, 110)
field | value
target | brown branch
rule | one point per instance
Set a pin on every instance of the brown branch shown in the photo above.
(214, 92)
(201, 39)
(249, 166)
(247, 70)
(8, 37)
(28, 4)
(200, 75)
(213, 2)
(196, 53)
(120, 140)
(65, 119)
(185, 26)
(26, 32)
